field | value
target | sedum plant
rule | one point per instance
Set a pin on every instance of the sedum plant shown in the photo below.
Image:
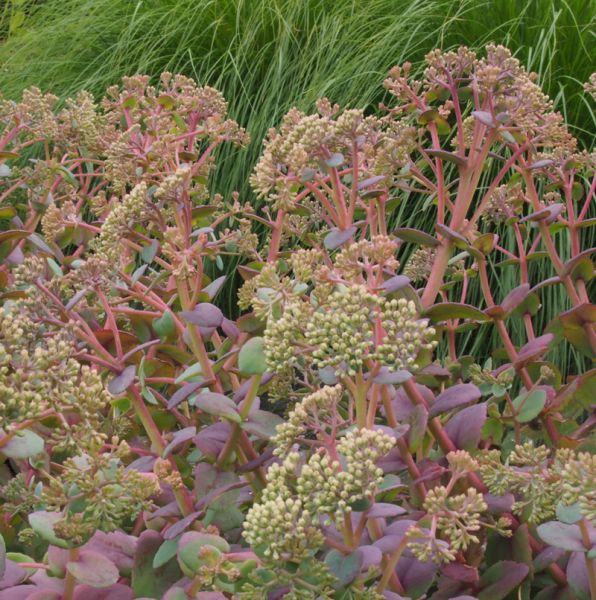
(339, 437)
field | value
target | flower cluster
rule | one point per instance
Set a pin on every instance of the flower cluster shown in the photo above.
(287, 518)
(355, 326)
(39, 378)
(314, 411)
(540, 483)
(96, 492)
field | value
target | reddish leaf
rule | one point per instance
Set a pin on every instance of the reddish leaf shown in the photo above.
(457, 395)
(515, 297)
(561, 535)
(465, 427)
(184, 392)
(204, 315)
(534, 348)
(385, 510)
(93, 569)
(337, 237)
(501, 579)
(395, 283)
(454, 310)
(179, 437)
(461, 572)
(484, 117)
(448, 156)
(120, 383)
(415, 236)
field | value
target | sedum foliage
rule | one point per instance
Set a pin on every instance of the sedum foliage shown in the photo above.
(335, 440)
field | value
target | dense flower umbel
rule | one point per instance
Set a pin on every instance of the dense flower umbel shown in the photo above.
(355, 326)
(540, 483)
(96, 492)
(287, 519)
(39, 377)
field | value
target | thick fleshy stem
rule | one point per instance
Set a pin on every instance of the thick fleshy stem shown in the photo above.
(182, 497)
(69, 581)
(590, 564)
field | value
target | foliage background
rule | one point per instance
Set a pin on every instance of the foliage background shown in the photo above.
(268, 55)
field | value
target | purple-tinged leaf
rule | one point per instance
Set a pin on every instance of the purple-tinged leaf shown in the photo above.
(181, 526)
(45, 594)
(416, 576)
(120, 383)
(499, 504)
(230, 329)
(219, 405)
(93, 569)
(179, 437)
(147, 581)
(117, 546)
(397, 282)
(415, 236)
(171, 509)
(184, 392)
(19, 592)
(499, 580)
(207, 501)
(370, 181)
(580, 266)
(548, 214)
(393, 377)
(385, 510)
(371, 556)
(344, 567)
(454, 310)
(457, 395)
(143, 464)
(546, 557)
(204, 315)
(461, 572)
(465, 427)
(457, 238)
(577, 575)
(213, 288)
(403, 406)
(210, 440)
(515, 297)
(561, 535)
(118, 591)
(262, 424)
(484, 117)
(540, 164)
(13, 574)
(534, 349)
(448, 156)
(388, 543)
(337, 237)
